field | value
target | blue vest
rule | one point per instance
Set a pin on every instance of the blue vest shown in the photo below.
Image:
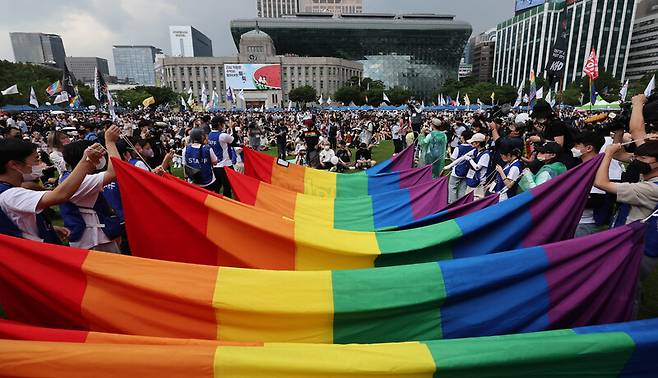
(45, 228)
(213, 142)
(76, 224)
(651, 236)
(112, 195)
(477, 178)
(199, 158)
(462, 168)
(500, 182)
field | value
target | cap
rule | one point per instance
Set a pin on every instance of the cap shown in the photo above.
(550, 148)
(477, 137)
(436, 122)
(648, 148)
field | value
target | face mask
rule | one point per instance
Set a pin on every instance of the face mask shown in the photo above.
(35, 174)
(541, 158)
(576, 152)
(148, 153)
(101, 163)
(326, 148)
(641, 166)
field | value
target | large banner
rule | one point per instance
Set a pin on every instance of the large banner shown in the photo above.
(259, 77)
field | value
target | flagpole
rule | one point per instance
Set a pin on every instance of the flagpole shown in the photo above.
(590, 93)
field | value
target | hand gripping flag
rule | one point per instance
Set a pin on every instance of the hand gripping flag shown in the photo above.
(579, 282)
(615, 350)
(191, 225)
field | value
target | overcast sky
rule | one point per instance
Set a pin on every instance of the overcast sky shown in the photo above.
(91, 27)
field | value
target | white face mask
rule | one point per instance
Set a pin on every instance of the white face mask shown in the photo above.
(576, 152)
(101, 163)
(35, 174)
(148, 153)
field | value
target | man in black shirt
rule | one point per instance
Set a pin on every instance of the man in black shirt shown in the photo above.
(551, 128)
(364, 157)
(281, 132)
(344, 155)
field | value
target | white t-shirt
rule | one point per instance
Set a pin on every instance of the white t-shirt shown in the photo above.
(86, 196)
(326, 155)
(20, 205)
(141, 165)
(225, 141)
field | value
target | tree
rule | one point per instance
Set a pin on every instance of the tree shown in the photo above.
(398, 95)
(303, 95)
(348, 94)
(26, 76)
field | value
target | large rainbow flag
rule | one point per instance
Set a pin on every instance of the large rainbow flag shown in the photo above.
(578, 282)
(328, 184)
(169, 220)
(365, 213)
(615, 350)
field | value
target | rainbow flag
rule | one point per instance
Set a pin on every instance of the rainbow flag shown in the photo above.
(54, 88)
(615, 350)
(459, 208)
(365, 213)
(400, 162)
(327, 184)
(579, 282)
(75, 101)
(168, 220)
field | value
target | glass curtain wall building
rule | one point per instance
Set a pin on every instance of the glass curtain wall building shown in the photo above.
(525, 41)
(135, 64)
(417, 52)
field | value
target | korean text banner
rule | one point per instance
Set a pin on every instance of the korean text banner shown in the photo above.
(579, 282)
(171, 220)
(261, 77)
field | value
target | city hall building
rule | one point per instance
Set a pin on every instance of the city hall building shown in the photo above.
(415, 51)
(525, 42)
(264, 76)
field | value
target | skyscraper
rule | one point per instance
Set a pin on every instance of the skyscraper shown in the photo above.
(276, 8)
(331, 6)
(524, 43)
(643, 55)
(186, 41)
(38, 48)
(135, 64)
(84, 68)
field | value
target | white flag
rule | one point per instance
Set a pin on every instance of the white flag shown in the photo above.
(62, 97)
(386, 97)
(624, 92)
(467, 101)
(526, 99)
(457, 100)
(204, 95)
(321, 100)
(182, 102)
(110, 106)
(328, 100)
(190, 99)
(540, 93)
(519, 96)
(189, 91)
(651, 86)
(11, 90)
(241, 94)
(33, 98)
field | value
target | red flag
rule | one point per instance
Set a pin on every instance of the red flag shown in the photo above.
(592, 66)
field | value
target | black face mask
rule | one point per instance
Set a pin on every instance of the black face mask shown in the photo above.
(641, 167)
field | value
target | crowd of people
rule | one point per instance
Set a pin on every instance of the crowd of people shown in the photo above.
(62, 159)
